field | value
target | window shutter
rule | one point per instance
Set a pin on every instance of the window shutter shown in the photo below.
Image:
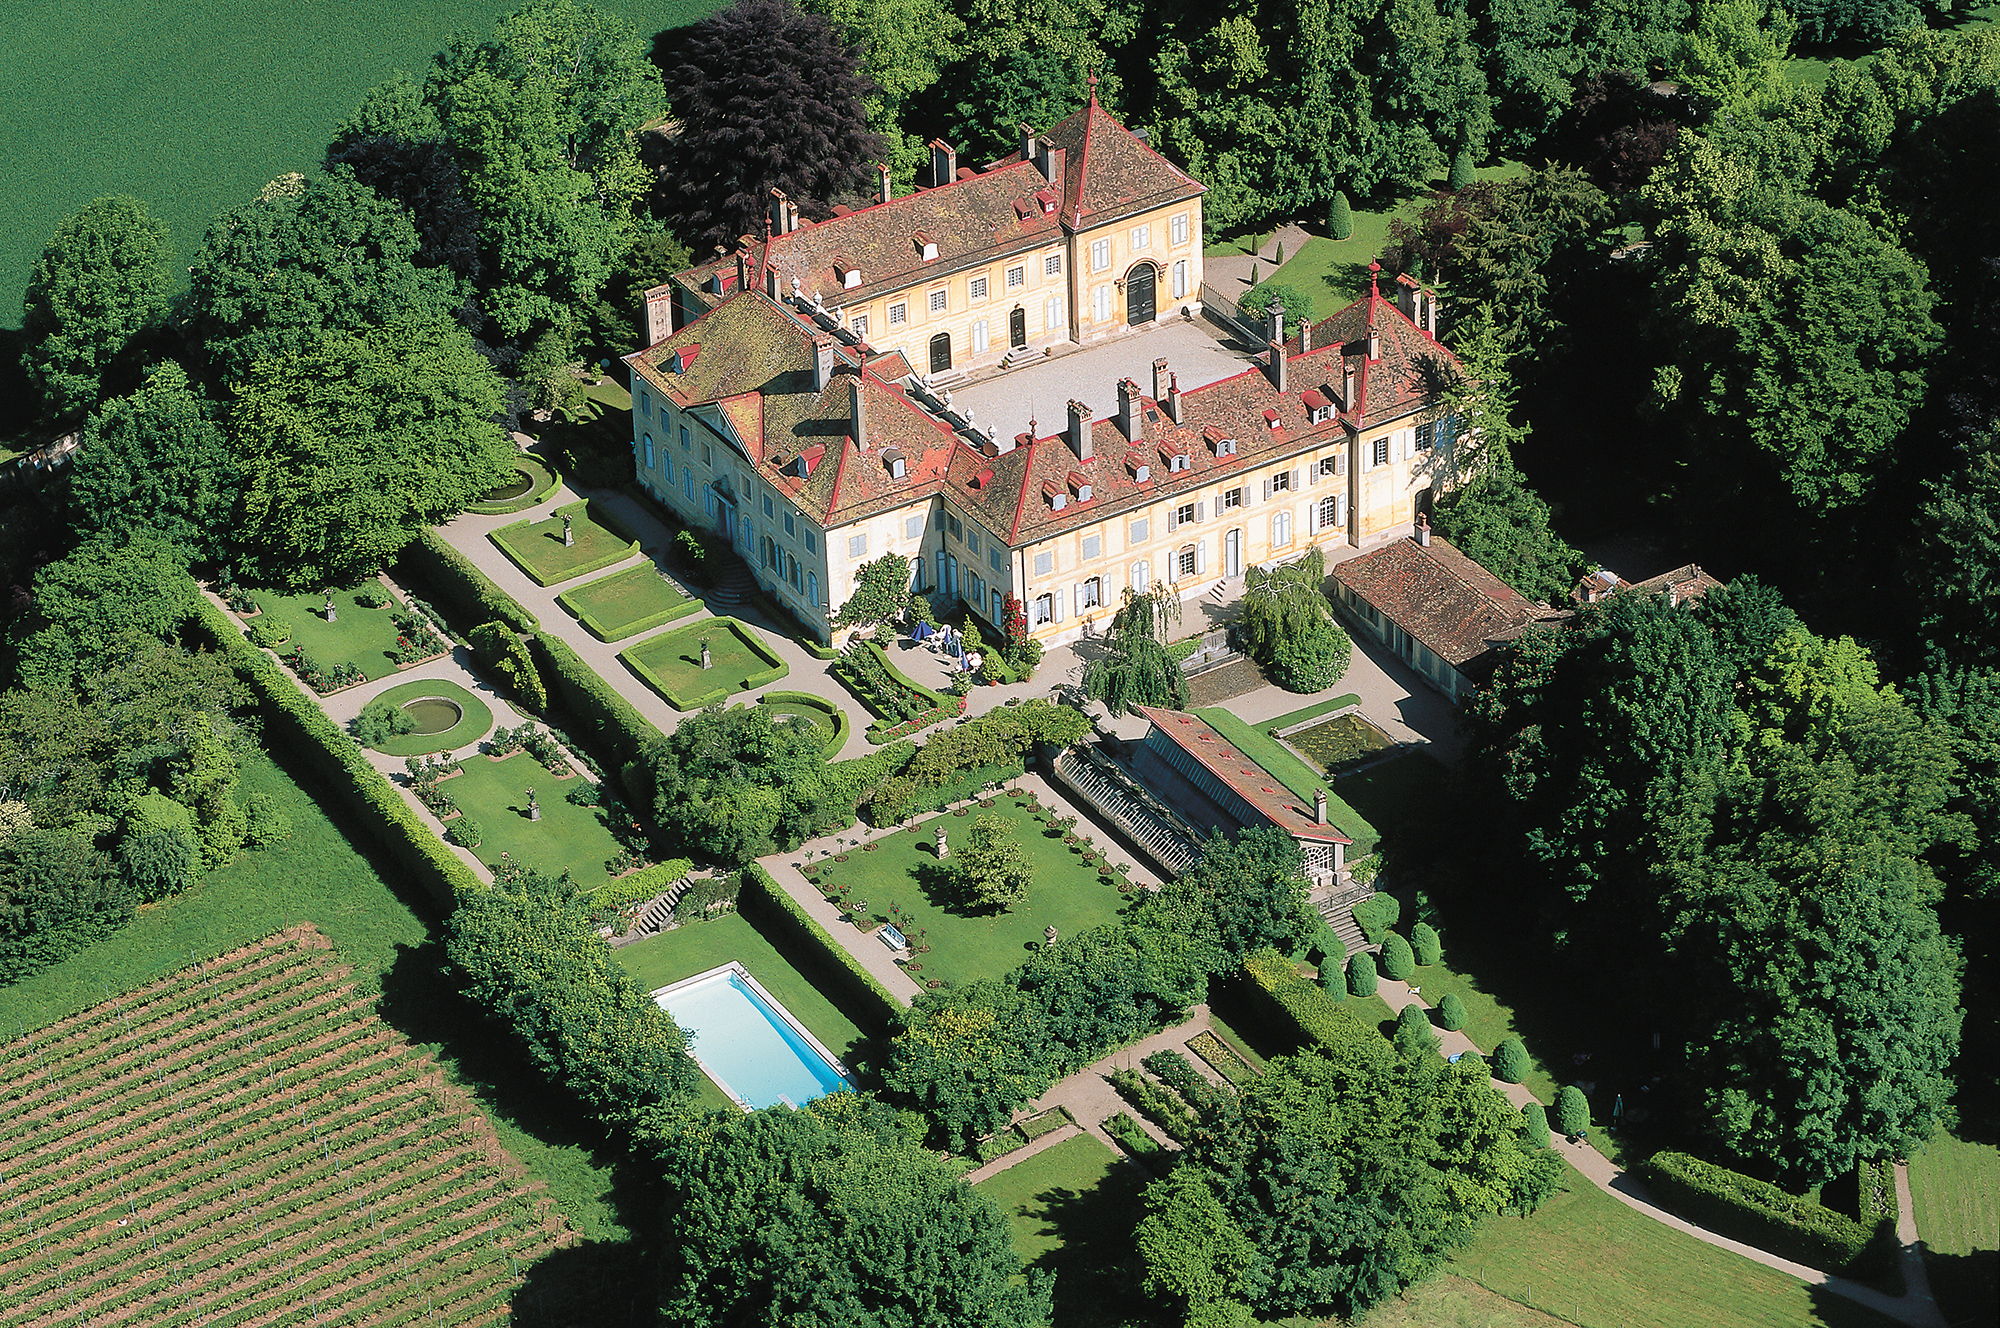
(1267, 488)
(1312, 473)
(1173, 519)
(1312, 518)
(1173, 566)
(1298, 481)
(1340, 463)
(1201, 511)
(1058, 602)
(1201, 558)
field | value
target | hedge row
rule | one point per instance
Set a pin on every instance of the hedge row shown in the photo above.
(836, 718)
(467, 592)
(764, 898)
(605, 719)
(1291, 1001)
(1760, 1214)
(1376, 916)
(340, 763)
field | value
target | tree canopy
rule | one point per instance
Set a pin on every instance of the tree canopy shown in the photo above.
(157, 462)
(97, 286)
(1135, 667)
(1288, 624)
(881, 588)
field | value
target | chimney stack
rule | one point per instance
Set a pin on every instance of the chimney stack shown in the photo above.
(1128, 410)
(1079, 431)
(1052, 162)
(784, 213)
(944, 162)
(1350, 386)
(1423, 530)
(742, 269)
(1028, 143)
(822, 362)
(1374, 342)
(884, 191)
(857, 413)
(1160, 380)
(1173, 401)
(1305, 335)
(1319, 805)
(770, 279)
(1278, 362)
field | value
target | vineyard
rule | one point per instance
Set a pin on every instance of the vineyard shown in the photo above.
(245, 1144)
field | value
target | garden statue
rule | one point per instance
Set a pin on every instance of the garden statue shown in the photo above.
(1049, 935)
(943, 849)
(534, 808)
(707, 662)
(332, 614)
(569, 536)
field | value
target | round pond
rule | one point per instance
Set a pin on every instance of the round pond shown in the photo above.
(448, 717)
(525, 483)
(433, 714)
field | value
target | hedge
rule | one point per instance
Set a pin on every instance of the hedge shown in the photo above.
(764, 898)
(466, 591)
(340, 764)
(836, 717)
(1376, 915)
(1398, 961)
(1289, 1000)
(922, 802)
(604, 717)
(641, 885)
(1760, 1214)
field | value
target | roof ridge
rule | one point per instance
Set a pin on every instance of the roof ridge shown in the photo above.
(1021, 501)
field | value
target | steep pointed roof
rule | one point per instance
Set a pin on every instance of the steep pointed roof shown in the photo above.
(1108, 172)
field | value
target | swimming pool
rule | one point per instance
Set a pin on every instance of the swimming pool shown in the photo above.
(745, 1041)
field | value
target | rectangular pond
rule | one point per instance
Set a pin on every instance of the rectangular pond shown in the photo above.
(750, 1045)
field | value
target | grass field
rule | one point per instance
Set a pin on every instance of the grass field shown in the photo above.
(1065, 894)
(194, 107)
(626, 603)
(670, 664)
(476, 724)
(567, 838)
(1313, 711)
(1073, 1207)
(537, 548)
(1587, 1258)
(1453, 1302)
(1956, 1186)
(1295, 775)
(365, 638)
(267, 1149)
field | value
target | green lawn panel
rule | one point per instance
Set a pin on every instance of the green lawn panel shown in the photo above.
(1956, 1188)
(476, 724)
(1326, 707)
(365, 638)
(537, 547)
(536, 471)
(671, 663)
(626, 603)
(821, 713)
(1073, 1208)
(567, 838)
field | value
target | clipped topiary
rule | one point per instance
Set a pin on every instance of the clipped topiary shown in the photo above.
(1572, 1110)
(1535, 1124)
(463, 832)
(1461, 171)
(1278, 260)
(1340, 217)
(1376, 915)
(1413, 1036)
(1397, 960)
(1361, 974)
(1424, 941)
(1451, 1013)
(1332, 981)
(1510, 1061)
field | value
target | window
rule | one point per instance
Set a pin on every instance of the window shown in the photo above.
(1142, 575)
(645, 405)
(857, 546)
(1180, 278)
(974, 289)
(707, 456)
(1379, 452)
(951, 524)
(1281, 529)
(1142, 237)
(1180, 228)
(1281, 481)
(1101, 304)
(649, 451)
(1100, 255)
(899, 314)
(1184, 560)
(812, 588)
(794, 578)
(767, 508)
(1017, 276)
(1139, 531)
(996, 558)
(1045, 609)
(768, 551)
(667, 468)
(684, 438)
(859, 325)
(972, 538)
(1045, 563)
(980, 337)
(938, 301)
(1329, 513)
(1051, 265)
(997, 609)
(1184, 514)
(812, 541)
(1427, 436)
(1093, 547)
(1232, 498)
(1052, 314)
(687, 483)
(913, 527)
(1329, 465)
(791, 525)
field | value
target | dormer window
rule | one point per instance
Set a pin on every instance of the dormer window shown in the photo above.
(1047, 199)
(1079, 487)
(893, 459)
(1058, 498)
(1271, 420)
(846, 273)
(926, 246)
(1138, 469)
(1217, 443)
(1318, 409)
(1176, 461)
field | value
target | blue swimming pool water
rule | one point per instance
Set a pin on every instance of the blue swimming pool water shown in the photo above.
(749, 1046)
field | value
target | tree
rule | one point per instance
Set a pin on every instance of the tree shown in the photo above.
(156, 463)
(1532, 60)
(1288, 625)
(769, 98)
(1413, 1036)
(1572, 1110)
(379, 721)
(904, 46)
(1510, 1061)
(1398, 961)
(1955, 571)
(1735, 52)
(1451, 1013)
(1534, 1123)
(1618, 128)
(881, 589)
(158, 852)
(1248, 890)
(1503, 525)
(101, 603)
(58, 894)
(1425, 945)
(1340, 216)
(1135, 668)
(894, 1237)
(423, 176)
(1361, 978)
(352, 443)
(726, 779)
(990, 868)
(99, 284)
(964, 1058)
(1461, 172)
(1193, 1250)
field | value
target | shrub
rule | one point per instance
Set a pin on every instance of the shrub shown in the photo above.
(1461, 171)
(1155, 1103)
(1451, 1013)
(1510, 1061)
(706, 897)
(264, 824)
(463, 832)
(266, 631)
(499, 649)
(1177, 1072)
(160, 857)
(1572, 1110)
(1361, 974)
(1376, 915)
(1293, 1000)
(1257, 301)
(1535, 1124)
(1125, 1132)
(371, 595)
(1340, 216)
(1763, 1215)
(1425, 944)
(460, 586)
(1397, 960)
(1332, 980)
(1413, 1035)
(379, 721)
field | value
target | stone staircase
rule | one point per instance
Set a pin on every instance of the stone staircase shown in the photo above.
(1019, 356)
(1119, 800)
(659, 912)
(727, 596)
(1336, 905)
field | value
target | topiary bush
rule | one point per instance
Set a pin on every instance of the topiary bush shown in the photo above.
(1461, 171)
(1413, 1036)
(1510, 1061)
(1535, 1124)
(463, 832)
(1340, 217)
(371, 595)
(264, 825)
(1376, 915)
(1451, 1013)
(380, 721)
(1425, 943)
(1361, 974)
(1572, 1110)
(268, 632)
(1398, 961)
(1332, 981)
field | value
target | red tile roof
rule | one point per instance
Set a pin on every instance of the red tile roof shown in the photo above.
(1265, 793)
(1460, 611)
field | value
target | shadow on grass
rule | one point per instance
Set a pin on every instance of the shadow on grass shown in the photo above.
(1096, 1267)
(607, 1284)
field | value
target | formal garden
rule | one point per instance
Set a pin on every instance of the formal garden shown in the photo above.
(427, 715)
(533, 482)
(561, 827)
(370, 635)
(815, 712)
(704, 662)
(899, 879)
(541, 550)
(627, 603)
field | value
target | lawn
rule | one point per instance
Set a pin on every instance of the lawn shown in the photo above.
(476, 723)
(365, 638)
(1453, 1302)
(905, 872)
(1587, 1258)
(537, 548)
(1313, 711)
(567, 838)
(1388, 796)
(1295, 775)
(670, 664)
(533, 483)
(1488, 1023)
(1073, 1208)
(1956, 1186)
(626, 603)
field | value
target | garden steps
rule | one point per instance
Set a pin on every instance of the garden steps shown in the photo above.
(732, 591)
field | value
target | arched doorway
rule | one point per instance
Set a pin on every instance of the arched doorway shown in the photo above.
(941, 352)
(1141, 294)
(1017, 328)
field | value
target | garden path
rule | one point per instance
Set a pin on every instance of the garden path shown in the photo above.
(1915, 1307)
(1230, 273)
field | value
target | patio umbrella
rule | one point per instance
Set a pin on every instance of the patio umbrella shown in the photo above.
(921, 632)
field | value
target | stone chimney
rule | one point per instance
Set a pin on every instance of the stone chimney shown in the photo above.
(1052, 162)
(1128, 410)
(1160, 377)
(742, 269)
(1278, 362)
(784, 213)
(1319, 805)
(857, 413)
(1277, 315)
(1079, 431)
(770, 280)
(884, 191)
(1172, 400)
(1374, 342)
(1423, 530)
(1305, 335)
(944, 162)
(822, 362)
(1029, 143)
(1350, 385)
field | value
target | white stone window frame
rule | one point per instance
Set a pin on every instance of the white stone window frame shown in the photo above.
(940, 301)
(1017, 276)
(899, 314)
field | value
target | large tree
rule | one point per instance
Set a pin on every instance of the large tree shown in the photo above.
(352, 443)
(1288, 624)
(828, 1215)
(100, 604)
(990, 867)
(769, 98)
(157, 461)
(1135, 667)
(904, 46)
(733, 782)
(423, 176)
(881, 588)
(98, 285)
